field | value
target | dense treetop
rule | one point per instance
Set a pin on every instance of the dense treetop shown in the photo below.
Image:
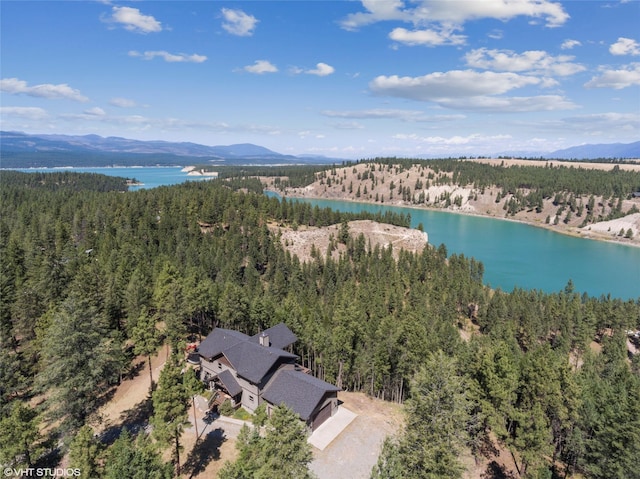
(97, 266)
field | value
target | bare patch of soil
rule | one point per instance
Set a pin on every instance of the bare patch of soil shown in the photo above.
(383, 412)
(303, 240)
(132, 392)
(496, 463)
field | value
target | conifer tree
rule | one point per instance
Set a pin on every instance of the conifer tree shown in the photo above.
(437, 413)
(19, 436)
(285, 451)
(84, 453)
(80, 358)
(168, 301)
(282, 452)
(146, 339)
(135, 460)
(193, 387)
(170, 404)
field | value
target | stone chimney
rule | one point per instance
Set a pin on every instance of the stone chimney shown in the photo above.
(264, 340)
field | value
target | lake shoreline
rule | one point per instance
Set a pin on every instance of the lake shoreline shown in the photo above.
(570, 231)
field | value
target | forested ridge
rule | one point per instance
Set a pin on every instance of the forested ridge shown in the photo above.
(563, 197)
(88, 273)
(552, 178)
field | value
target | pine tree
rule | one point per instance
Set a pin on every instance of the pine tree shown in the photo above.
(609, 417)
(80, 358)
(135, 460)
(437, 413)
(285, 451)
(282, 452)
(19, 436)
(170, 404)
(146, 340)
(246, 465)
(193, 387)
(84, 453)
(168, 301)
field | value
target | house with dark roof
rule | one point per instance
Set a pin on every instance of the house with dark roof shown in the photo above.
(250, 370)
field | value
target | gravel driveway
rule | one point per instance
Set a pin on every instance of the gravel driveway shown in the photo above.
(354, 452)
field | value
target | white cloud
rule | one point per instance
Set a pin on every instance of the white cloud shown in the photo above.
(322, 69)
(347, 125)
(534, 61)
(451, 84)
(169, 57)
(390, 114)
(628, 76)
(238, 23)
(260, 67)
(612, 123)
(429, 37)
(122, 102)
(376, 11)
(509, 104)
(625, 46)
(15, 86)
(598, 123)
(472, 90)
(460, 12)
(27, 112)
(455, 12)
(569, 44)
(452, 140)
(95, 111)
(133, 20)
(376, 113)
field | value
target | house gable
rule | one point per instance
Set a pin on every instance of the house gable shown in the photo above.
(257, 368)
(229, 382)
(279, 336)
(253, 362)
(218, 341)
(301, 392)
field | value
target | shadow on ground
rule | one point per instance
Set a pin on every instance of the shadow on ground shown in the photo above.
(206, 450)
(496, 471)
(133, 420)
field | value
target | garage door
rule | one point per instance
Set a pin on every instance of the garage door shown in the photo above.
(322, 416)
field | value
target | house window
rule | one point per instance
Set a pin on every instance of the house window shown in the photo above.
(219, 365)
(251, 398)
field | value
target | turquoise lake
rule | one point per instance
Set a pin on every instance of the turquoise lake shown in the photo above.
(519, 255)
(150, 177)
(513, 254)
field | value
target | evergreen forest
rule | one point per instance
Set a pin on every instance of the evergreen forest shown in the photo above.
(92, 274)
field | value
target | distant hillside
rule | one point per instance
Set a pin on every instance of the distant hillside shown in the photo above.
(21, 150)
(594, 152)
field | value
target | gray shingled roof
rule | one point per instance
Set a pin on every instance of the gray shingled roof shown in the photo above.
(230, 383)
(299, 391)
(252, 361)
(280, 336)
(218, 340)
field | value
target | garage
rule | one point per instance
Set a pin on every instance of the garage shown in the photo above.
(322, 416)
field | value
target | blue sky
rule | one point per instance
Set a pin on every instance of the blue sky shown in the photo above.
(346, 79)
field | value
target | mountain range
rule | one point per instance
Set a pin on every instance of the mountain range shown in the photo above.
(21, 150)
(594, 152)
